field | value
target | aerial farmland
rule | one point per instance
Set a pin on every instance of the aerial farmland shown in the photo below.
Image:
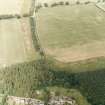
(52, 52)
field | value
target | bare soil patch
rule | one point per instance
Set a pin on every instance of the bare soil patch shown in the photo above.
(78, 52)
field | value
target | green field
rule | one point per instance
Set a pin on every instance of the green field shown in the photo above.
(16, 44)
(101, 6)
(72, 33)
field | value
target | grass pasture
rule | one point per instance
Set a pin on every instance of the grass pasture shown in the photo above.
(72, 33)
(16, 44)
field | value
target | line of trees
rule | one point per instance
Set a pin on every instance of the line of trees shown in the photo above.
(39, 6)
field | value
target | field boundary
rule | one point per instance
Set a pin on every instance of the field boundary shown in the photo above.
(35, 38)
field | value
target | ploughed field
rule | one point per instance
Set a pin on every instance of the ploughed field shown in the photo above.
(72, 33)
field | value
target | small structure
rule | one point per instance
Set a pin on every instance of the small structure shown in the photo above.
(62, 100)
(11, 100)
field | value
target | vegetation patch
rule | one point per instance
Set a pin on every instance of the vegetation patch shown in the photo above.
(90, 83)
(23, 79)
(59, 91)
